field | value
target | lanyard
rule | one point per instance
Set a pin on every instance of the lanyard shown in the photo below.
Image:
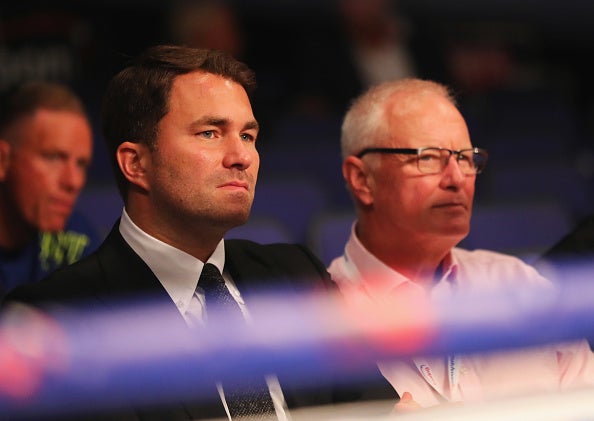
(453, 376)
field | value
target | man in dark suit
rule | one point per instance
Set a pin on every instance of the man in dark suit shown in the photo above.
(182, 136)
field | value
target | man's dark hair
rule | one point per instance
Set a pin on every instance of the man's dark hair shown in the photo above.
(137, 98)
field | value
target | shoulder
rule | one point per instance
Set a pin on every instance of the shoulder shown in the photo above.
(488, 257)
(71, 282)
(278, 252)
(279, 260)
(486, 265)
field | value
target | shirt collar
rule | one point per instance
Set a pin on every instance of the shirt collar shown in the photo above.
(447, 282)
(177, 270)
(376, 277)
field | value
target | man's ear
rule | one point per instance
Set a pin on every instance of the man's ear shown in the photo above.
(4, 158)
(356, 174)
(133, 159)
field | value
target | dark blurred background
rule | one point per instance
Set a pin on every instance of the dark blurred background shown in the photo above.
(522, 71)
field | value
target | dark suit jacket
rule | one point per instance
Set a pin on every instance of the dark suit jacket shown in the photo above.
(116, 271)
(575, 246)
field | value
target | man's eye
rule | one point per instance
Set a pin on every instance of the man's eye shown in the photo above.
(429, 157)
(51, 156)
(83, 165)
(247, 137)
(463, 157)
(208, 134)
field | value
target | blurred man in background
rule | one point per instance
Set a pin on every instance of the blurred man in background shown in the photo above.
(45, 150)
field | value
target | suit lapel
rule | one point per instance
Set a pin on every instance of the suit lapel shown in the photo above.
(125, 274)
(249, 270)
(124, 269)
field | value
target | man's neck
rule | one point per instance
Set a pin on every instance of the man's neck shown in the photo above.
(420, 262)
(197, 242)
(14, 231)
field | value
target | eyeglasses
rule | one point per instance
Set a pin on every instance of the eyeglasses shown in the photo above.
(434, 160)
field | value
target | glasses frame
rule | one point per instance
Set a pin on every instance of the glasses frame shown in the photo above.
(419, 151)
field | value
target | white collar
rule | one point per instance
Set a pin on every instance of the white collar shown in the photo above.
(177, 271)
(362, 266)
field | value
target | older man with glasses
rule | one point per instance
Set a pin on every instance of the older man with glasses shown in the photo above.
(410, 167)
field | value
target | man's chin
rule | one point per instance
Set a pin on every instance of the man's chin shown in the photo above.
(237, 219)
(456, 233)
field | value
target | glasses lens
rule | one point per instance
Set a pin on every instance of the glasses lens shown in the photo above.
(432, 160)
(467, 162)
(472, 162)
(479, 161)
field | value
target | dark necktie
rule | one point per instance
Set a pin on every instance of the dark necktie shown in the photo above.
(216, 293)
(245, 402)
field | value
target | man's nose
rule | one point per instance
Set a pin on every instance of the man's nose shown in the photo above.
(238, 153)
(73, 177)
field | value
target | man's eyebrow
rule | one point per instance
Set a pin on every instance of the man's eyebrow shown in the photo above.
(251, 125)
(221, 121)
(210, 121)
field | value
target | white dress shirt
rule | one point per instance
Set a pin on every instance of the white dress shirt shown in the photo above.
(470, 377)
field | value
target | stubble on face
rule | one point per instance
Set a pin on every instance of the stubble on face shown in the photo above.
(204, 177)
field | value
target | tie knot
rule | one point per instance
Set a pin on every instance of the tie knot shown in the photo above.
(216, 293)
(210, 277)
